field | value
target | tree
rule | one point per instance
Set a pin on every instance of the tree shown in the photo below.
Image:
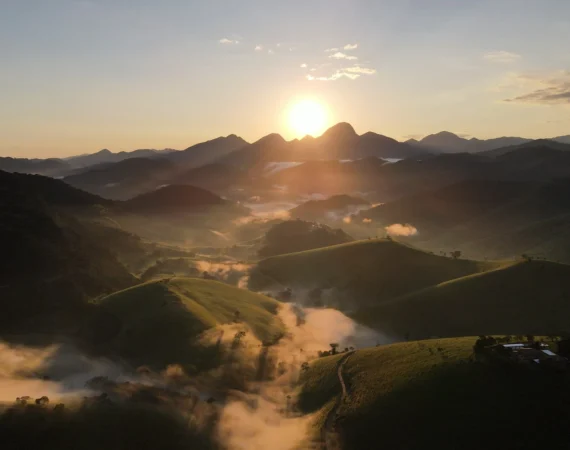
(456, 254)
(334, 347)
(304, 366)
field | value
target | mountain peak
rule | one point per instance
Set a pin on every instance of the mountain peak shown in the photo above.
(273, 138)
(342, 129)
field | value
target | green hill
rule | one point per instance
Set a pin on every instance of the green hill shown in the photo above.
(156, 323)
(371, 271)
(429, 394)
(520, 298)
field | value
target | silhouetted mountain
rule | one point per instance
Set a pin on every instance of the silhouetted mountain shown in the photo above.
(446, 142)
(545, 144)
(106, 156)
(562, 139)
(178, 199)
(124, 179)
(339, 142)
(48, 190)
(207, 152)
(51, 167)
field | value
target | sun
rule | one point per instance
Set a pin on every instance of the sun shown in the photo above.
(308, 117)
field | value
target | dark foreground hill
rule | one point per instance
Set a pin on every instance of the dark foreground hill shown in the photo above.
(431, 394)
(52, 267)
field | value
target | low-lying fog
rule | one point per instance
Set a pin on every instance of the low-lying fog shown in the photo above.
(260, 415)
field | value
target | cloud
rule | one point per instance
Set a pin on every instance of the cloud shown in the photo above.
(398, 229)
(258, 48)
(501, 56)
(351, 47)
(548, 90)
(335, 76)
(340, 55)
(303, 66)
(331, 50)
(227, 41)
(360, 70)
(271, 52)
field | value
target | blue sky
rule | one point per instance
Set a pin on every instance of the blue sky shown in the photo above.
(81, 75)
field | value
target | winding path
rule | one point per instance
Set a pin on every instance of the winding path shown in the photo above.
(329, 436)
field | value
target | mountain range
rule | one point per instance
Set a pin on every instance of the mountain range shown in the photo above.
(451, 143)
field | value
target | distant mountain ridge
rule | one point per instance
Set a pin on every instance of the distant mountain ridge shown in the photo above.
(448, 142)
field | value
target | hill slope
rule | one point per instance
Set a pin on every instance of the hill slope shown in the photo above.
(428, 394)
(520, 298)
(156, 323)
(368, 271)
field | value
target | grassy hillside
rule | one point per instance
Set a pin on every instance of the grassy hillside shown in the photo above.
(525, 297)
(156, 323)
(428, 394)
(371, 270)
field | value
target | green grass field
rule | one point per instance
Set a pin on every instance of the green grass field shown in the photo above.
(371, 271)
(428, 394)
(521, 298)
(156, 323)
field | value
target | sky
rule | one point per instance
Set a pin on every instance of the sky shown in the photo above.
(81, 75)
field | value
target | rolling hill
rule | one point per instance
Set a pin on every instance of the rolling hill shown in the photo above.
(528, 297)
(125, 179)
(366, 272)
(486, 219)
(431, 394)
(179, 199)
(50, 166)
(298, 235)
(157, 323)
(335, 206)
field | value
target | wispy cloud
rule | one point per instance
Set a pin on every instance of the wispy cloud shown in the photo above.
(271, 52)
(501, 56)
(360, 70)
(226, 41)
(335, 76)
(548, 89)
(303, 66)
(349, 47)
(340, 55)
(258, 48)
(331, 50)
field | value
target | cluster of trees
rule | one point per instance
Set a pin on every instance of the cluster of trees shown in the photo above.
(335, 350)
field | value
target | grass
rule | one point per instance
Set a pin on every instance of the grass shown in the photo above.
(414, 396)
(371, 270)
(157, 323)
(521, 298)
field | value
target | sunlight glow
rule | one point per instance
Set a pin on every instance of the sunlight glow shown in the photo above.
(308, 117)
